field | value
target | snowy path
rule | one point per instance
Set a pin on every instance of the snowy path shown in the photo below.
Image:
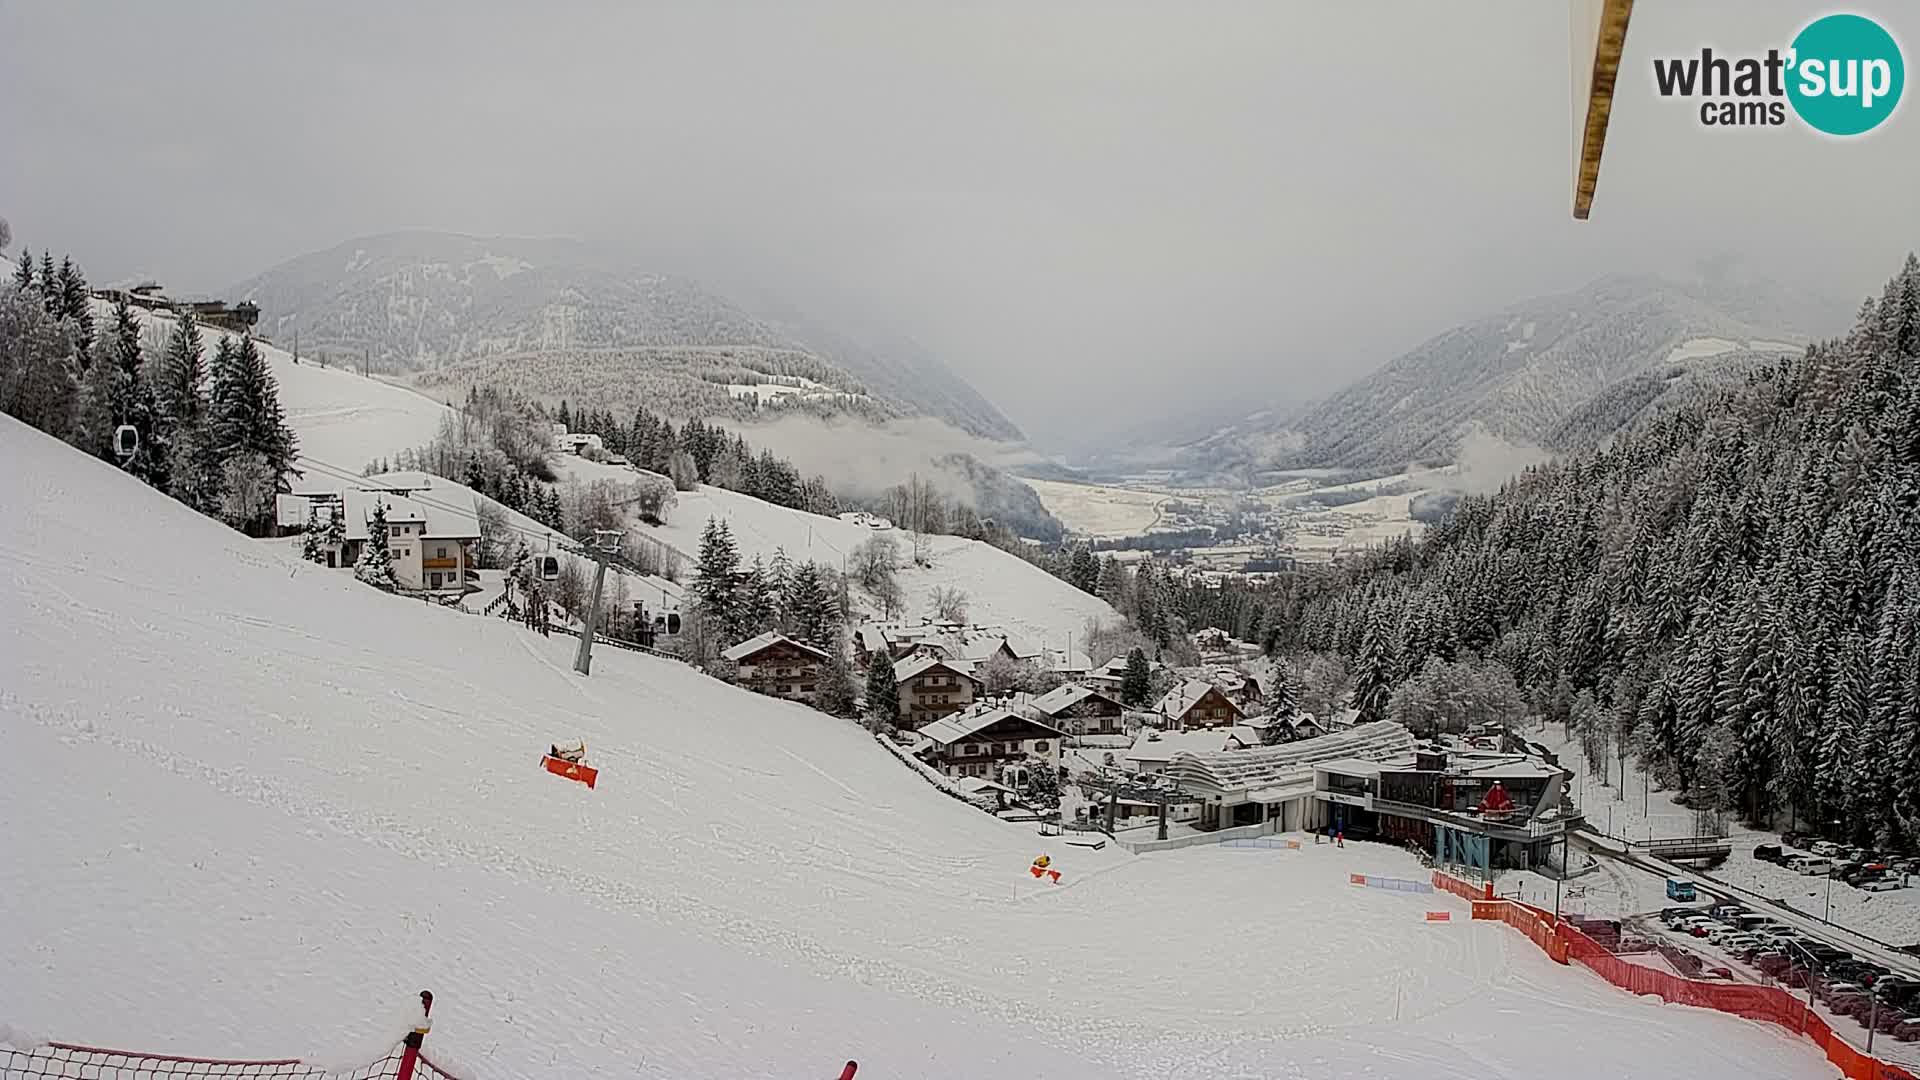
(300, 801)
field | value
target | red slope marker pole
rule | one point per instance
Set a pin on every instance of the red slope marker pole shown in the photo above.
(847, 1073)
(410, 1055)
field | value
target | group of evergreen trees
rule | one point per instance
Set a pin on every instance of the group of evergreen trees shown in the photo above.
(212, 436)
(1730, 590)
(799, 599)
(700, 452)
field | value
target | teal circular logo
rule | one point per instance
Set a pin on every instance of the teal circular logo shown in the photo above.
(1846, 74)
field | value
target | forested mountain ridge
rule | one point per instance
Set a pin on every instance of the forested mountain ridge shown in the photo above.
(1515, 374)
(1731, 590)
(421, 300)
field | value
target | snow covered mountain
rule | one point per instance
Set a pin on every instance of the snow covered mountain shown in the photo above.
(1515, 375)
(417, 299)
(252, 807)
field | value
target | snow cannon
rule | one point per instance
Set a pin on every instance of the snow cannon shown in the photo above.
(569, 761)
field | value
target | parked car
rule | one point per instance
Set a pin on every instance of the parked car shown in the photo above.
(1767, 852)
(1821, 867)
(1907, 1030)
(1826, 848)
(1881, 884)
(1832, 992)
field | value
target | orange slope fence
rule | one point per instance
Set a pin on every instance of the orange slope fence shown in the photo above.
(1564, 943)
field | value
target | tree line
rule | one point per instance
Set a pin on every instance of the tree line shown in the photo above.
(208, 431)
(1729, 591)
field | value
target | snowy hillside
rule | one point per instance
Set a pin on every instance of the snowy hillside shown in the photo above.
(344, 419)
(253, 806)
(1003, 590)
(417, 299)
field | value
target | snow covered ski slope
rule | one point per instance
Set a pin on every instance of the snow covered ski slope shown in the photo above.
(251, 807)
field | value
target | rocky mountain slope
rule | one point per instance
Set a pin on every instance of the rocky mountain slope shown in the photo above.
(1516, 375)
(422, 300)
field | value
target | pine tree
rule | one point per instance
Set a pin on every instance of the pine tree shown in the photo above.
(1113, 584)
(1136, 683)
(838, 693)
(50, 296)
(245, 417)
(1084, 571)
(883, 694)
(39, 383)
(376, 558)
(813, 609)
(779, 581)
(1374, 675)
(1283, 699)
(310, 538)
(76, 307)
(23, 271)
(184, 436)
(753, 610)
(713, 582)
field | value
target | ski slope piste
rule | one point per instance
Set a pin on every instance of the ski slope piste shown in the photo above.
(253, 806)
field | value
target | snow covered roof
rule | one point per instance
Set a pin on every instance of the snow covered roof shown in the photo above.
(916, 665)
(1061, 698)
(758, 642)
(951, 729)
(872, 638)
(1073, 663)
(1153, 745)
(1245, 770)
(1185, 696)
(445, 510)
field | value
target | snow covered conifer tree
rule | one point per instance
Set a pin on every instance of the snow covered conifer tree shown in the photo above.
(1373, 675)
(779, 581)
(23, 271)
(753, 611)
(376, 558)
(1283, 700)
(38, 380)
(310, 538)
(811, 607)
(713, 582)
(76, 307)
(837, 690)
(883, 694)
(1137, 682)
(50, 298)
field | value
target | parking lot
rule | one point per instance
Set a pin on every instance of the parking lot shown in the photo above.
(1721, 940)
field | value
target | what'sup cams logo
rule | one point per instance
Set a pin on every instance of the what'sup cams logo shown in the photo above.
(1842, 76)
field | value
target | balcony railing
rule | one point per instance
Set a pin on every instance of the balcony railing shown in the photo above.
(1514, 828)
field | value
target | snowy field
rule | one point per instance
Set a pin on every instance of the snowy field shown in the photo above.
(1098, 510)
(253, 806)
(1002, 590)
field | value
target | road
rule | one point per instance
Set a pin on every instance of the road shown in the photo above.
(1838, 936)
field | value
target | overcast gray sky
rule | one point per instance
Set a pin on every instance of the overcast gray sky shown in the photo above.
(1107, 209)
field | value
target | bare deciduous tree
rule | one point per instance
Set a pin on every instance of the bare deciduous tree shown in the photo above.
(949, 604)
